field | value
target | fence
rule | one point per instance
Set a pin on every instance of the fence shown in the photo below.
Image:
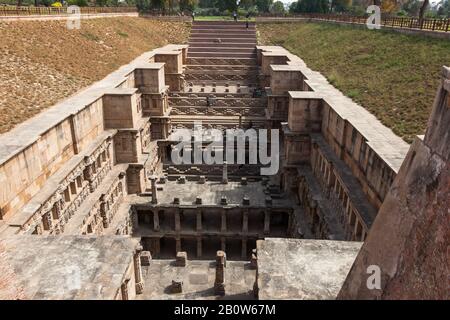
(397, 22)
(25, 11)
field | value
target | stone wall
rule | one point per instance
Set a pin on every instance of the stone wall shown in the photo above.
(410, 236)
(76, 156)
(353, 157)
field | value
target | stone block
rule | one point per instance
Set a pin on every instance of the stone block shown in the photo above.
(223, 200)
(181, 259)
(146, 258)
(176, 286)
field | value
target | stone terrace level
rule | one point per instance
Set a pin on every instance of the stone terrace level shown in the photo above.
(221, 65)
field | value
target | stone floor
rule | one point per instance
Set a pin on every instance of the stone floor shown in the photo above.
(211, 193)
(198, 280)
(303, 269)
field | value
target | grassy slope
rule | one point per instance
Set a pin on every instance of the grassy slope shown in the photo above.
(43, 62)
(394, 76)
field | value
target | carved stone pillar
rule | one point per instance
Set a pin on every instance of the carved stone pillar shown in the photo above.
(138, 270)
(134, 217)
(104, 212)
(223, 244)
(199, 247)
(177, 244)
(219, 283)
(156, 226)
(225, 173)
(177, 221)
(154, 190)
(223, 226)
(199, 221)
(245, 221)
(267, 222)
(244, 249)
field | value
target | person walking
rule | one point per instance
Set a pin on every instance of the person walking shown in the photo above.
(235, 16)
(193, 16)
(247, 17)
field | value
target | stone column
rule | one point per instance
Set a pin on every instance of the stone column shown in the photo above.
(223, 244)
(199, 247)
(245, 221)
(138, 270)
(156, 226)
(134, 217)
(154, 191)
(219, 283)
(104, 213)
(177, 221)
(225, 173)
(244, 249)
(199, 221)
(223, 227)
(266, 222)
(178, 245)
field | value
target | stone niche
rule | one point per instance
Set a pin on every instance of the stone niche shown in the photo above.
(305, 111)
(135, 178)
(173, 68)
(297, 149)
(265, 60)
(150, 78)
(127, 146)
(284, 78)
(121, 108)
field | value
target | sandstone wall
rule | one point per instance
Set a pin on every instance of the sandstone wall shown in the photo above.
(410, 236)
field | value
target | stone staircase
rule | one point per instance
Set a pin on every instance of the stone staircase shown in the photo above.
(222, 67)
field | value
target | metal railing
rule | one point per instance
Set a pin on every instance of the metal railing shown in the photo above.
(387, 21)
(28, 11)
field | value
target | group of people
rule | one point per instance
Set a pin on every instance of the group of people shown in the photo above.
(235, 17)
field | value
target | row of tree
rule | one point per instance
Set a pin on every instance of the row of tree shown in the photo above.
(400, 7)
(419, 8)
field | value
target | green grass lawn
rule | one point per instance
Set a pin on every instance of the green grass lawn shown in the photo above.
(394, 76)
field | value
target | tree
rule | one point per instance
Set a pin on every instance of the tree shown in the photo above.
(312, 6)
(389, 6)
(340, 5)
(207, 3)
(263, 5)
(444, 9)
(422, 11)
(278, 8)
(412, 7)
(246, 4)
(230, 5)
(293, 7)
(188, 5)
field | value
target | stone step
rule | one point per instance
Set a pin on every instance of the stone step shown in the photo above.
(222, 23)
(222, 68)
(209, 30)
(221, 61)
(224, 40)
(215, 35)
(212, 44)
(228, 49)
(221, 54)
